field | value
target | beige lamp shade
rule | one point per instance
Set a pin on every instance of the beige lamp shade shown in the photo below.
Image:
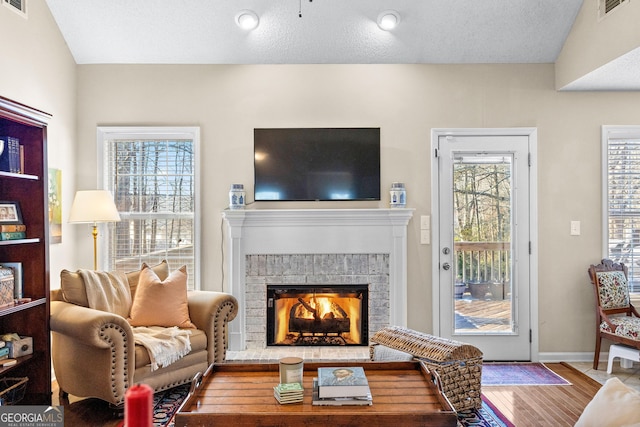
(93, 206)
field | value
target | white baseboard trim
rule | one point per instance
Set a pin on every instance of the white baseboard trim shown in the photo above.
(570, 357)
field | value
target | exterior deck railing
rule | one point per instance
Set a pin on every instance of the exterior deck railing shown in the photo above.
(483, 262)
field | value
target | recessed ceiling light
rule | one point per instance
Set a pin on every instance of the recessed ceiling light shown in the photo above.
(247, 20)
(388, 20)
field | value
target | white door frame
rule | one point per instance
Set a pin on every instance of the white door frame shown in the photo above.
(532, 133)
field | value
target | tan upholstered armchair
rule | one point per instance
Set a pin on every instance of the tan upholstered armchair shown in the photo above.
(94, 354)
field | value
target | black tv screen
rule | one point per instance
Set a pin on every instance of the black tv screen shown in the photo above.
(301, 164)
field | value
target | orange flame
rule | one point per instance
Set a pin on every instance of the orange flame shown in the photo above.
(324, 306)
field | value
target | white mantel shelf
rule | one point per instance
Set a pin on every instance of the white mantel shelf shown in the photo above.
(319, 216)
(317, 231)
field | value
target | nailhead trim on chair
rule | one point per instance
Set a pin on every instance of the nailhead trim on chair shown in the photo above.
(227, 309)
(105, 336)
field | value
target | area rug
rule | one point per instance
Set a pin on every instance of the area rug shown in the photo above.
(166, 403)
(487, 416)
(519, 374)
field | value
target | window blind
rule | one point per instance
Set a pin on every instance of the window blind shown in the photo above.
(623, 205)
(153, 184)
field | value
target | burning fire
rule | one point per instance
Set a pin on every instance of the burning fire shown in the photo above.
(323, 306)
(311, 306)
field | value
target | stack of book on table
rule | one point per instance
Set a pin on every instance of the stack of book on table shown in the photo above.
(341, 386)
(288, 393)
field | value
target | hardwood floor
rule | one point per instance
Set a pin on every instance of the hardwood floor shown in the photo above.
(86, 412)
(524, 406)
(545, 406)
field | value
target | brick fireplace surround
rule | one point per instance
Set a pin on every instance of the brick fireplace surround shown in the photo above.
(315, 246)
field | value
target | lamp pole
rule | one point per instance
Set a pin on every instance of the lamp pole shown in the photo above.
(94, 233)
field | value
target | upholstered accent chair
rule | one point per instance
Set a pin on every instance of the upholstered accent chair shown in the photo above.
(94, 353)
(617, 320)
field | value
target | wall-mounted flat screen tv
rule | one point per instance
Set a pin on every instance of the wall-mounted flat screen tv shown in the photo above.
(301, 164)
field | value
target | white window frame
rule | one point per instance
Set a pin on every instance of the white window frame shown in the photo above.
(106, 133)
(614, 133)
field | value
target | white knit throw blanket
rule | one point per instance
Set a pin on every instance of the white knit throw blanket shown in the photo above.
(165, 345)
(107, 291)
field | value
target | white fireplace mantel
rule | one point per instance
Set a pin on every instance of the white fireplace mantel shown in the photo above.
(317, 231)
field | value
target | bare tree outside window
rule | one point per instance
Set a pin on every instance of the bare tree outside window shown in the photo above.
(153, 183)
(482, 215)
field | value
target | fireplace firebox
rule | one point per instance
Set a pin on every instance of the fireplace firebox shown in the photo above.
(317, 315)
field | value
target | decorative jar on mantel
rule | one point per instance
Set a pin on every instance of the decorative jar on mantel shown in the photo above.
(236, 196)
(398, 195)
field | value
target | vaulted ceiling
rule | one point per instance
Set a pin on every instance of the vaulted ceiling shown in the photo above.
(314, 31)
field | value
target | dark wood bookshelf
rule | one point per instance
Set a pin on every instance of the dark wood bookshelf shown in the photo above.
(6, 370)
(30, 190)
(18, 241)
(10, 309)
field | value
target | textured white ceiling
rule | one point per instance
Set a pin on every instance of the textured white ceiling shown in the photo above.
(329, 31)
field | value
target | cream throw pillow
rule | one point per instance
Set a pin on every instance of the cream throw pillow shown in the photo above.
(161, 303)
(161, 269)
(614, 405)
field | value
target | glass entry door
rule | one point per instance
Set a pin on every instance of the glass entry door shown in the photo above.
(484, 243)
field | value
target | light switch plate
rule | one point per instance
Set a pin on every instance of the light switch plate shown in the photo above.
(425, 237)
(425, 222)
(575, 228)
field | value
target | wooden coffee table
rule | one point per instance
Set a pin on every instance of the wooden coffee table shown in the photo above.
(404, 394)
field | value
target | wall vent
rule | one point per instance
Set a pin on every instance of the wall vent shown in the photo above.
(18, 6)
(607, 6)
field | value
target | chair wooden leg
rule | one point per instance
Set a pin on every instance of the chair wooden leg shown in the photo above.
(596, 354)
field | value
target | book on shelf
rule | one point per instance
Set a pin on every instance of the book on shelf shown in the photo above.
(342, 382)
(338, 401)
(10, 154)
(12, 227)
(21, 159)
(13, 235)
(8, 362)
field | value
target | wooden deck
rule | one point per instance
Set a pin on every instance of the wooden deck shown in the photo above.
(483, 315)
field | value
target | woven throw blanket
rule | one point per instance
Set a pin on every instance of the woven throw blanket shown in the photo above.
(165, 345)
(107, 291)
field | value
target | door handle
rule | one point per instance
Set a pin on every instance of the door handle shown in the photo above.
(446, 266)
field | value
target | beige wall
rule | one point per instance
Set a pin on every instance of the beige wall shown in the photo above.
(37, 69)
(406, 102)
(593, 42)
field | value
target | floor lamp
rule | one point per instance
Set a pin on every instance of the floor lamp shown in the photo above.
(92, 207)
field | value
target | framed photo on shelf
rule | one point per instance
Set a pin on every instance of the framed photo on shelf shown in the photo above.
(10, 213)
